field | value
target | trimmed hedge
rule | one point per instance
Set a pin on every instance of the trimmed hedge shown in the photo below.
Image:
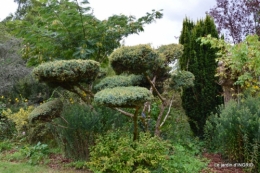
(63, 71)
(47, 111)
(123, 96)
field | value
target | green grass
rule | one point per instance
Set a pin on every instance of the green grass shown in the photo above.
(11, 167)
(22, 158)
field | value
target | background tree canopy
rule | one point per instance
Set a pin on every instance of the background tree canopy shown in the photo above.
(237, 18)
(239, 65)
(54, 30)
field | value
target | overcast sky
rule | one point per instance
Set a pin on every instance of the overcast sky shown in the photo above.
(163, 31)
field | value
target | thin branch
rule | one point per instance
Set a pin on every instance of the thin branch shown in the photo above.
(64, 119)
(166, 116)
(145, 106)
(157, 125)
(86, 91)
(57, 125)
(80, 95)
(124, 112)
(155, 89)
(151, 88)
(73, 89)
(81, 18)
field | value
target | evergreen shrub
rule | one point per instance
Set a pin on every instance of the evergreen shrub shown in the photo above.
(27, 88)
(82, 127)
(235, 131)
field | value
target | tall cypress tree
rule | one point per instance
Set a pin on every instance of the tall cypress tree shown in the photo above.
(186, 41)
(202, 99)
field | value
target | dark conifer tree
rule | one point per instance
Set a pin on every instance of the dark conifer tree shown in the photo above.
(186, 41)
(203, 98)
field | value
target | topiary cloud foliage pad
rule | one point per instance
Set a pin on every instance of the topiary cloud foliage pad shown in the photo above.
(47, 111)
(119, 80)
(123, 96)
(135, 59)
(183, 79)
(63, 71)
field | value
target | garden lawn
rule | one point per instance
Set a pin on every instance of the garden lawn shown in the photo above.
(11, 167)
(14, 167)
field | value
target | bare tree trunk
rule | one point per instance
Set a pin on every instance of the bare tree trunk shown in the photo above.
(157, 131)
(227, 94)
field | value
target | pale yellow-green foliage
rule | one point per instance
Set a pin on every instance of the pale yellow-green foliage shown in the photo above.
(20, 118)
(67, 71)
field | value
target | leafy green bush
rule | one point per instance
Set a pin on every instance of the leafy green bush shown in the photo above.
(7, 128)
(177, 128)
(5, 145)
(36, 154)
(117, 152)
(20, 118)
(83, 125)
(183, 160)
(40, 131)
(235, 131)
(27, 88)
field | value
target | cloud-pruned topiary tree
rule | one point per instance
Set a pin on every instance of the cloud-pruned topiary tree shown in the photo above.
(127, 97)
(154, 66)
(139, 69)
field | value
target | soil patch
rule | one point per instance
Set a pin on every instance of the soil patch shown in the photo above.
(57, 162)
(219, 165)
